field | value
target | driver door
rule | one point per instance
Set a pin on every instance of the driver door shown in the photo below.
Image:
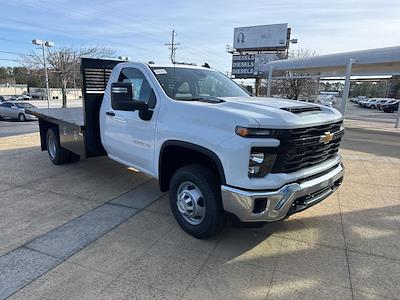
(132, 137)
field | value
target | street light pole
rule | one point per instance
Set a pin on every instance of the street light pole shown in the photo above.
(47, 76)
(45, 44)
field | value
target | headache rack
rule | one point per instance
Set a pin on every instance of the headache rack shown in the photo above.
(95, 75)
(302, 147)
(79, 128)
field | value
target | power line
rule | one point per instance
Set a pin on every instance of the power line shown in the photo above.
(172, 46)
(7, 59)
(13, 41)
(9, 52)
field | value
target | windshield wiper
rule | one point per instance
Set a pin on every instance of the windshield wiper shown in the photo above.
(203, 99)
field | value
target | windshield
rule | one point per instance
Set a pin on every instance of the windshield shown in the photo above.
(24, 105)
(190, 83)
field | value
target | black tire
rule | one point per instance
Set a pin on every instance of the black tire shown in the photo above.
(207, 182)
(57, 154)
(21, 118)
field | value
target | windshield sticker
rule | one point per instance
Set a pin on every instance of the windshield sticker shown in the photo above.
(160, 71)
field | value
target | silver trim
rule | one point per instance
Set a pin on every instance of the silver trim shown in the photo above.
(307, 172)
(241, 203)
(52, 147)
(119, 90)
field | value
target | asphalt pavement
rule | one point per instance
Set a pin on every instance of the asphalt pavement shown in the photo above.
(14, 127)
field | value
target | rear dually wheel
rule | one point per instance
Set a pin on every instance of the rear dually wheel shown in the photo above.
(57, 154)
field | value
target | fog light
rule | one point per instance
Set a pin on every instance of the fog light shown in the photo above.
(260, 204)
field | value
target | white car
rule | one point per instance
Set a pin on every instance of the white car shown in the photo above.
(16, 110)
(365, 102)
(372, 103)
(362, 102)
(23, 98)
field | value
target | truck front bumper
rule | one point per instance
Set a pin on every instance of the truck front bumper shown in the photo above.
(270, 206)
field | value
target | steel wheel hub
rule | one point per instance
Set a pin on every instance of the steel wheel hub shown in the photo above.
(52, 147)
(190, 203)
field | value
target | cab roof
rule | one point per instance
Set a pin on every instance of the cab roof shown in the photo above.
(177, 65)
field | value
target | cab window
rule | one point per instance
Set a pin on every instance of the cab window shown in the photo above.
(141, 89)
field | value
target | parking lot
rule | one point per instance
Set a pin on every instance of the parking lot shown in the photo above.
(355, 112)
(94, 230)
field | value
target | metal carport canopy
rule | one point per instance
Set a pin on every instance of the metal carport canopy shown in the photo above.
(381, 61)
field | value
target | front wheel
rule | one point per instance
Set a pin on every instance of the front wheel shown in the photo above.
(195, 201)
(21, 118)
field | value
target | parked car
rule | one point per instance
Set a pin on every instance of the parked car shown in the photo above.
(372, 103)
(212, 145)
(390, 101)
(392, 107)
(23, 98)
(16, 110)
(362, 102)
(381, 102)
(2, 99)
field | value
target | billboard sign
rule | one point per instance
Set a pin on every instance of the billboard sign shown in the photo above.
(251, 65)
(260, 37)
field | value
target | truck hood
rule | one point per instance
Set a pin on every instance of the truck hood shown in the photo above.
(280, 113)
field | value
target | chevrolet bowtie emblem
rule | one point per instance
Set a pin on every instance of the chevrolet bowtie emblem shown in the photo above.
(326, 138)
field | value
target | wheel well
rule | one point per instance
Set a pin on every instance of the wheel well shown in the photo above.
(44, 126)
(174, 156)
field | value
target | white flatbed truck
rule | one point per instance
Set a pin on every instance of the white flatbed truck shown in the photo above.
(215, 148)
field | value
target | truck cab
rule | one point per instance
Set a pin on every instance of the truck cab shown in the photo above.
(212, 146)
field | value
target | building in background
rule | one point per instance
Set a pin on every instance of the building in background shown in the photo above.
(55, 93)
(13, 89)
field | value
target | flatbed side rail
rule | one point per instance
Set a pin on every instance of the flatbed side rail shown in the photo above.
(70, 130)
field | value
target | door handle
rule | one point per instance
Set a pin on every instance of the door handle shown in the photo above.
(110, 113)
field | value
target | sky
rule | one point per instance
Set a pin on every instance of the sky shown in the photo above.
(139, 29)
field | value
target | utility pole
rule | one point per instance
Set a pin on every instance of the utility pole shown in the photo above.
(172, 46)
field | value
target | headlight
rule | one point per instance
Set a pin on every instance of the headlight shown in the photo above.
(255, 132)
(260, 162)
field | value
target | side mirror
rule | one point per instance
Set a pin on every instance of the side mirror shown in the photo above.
(249, 88)
(122, 98)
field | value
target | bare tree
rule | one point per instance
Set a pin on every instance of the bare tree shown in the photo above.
(293, 88)
(65, 63)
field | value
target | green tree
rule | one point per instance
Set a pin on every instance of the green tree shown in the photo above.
(6, 75)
